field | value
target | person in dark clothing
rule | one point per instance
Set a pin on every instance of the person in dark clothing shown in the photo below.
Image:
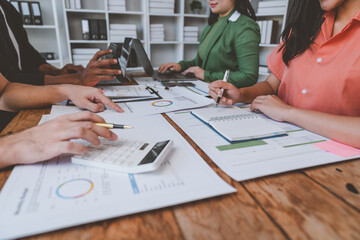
(20, 62)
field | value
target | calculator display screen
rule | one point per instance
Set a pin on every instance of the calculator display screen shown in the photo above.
(154, 152)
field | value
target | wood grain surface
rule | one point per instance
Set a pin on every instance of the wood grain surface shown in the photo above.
(315, 203)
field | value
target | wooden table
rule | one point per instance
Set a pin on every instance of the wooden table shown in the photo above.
(316, 203)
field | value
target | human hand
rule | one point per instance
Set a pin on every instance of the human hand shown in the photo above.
(71, 68)
(171, 66)
(89, 98)
(197, 71)
(52, 138)
(272, 106)
(231, 94)
(98, 70)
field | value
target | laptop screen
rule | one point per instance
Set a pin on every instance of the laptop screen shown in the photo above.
(143, 58)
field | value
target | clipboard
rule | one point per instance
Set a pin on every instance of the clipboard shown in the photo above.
(124, 99)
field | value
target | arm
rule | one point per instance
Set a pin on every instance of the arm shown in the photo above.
(246, 49)
(234, 95)
(28, 146)
(49, 69)
(15, 96)
(344, 129)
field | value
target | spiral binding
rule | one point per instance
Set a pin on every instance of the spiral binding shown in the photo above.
(234, 117)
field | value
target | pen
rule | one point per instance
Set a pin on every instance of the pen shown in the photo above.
(112, 125)
(226, 76)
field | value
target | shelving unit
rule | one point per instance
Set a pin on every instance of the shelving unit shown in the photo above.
(51, 32)
(137, 12)
(280, 18)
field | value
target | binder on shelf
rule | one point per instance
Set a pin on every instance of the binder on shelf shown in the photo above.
(36, 13)
(78, 4)
(94, 29)
(85, 29)
(102, 29)
(16, 6)
(26, 14)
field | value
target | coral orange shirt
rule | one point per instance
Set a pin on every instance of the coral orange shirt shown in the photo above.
(326, 77)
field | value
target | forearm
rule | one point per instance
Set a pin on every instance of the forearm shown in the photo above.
(20, 96)
(248, 94)
(73, 78)
(49, 69)
(343, 129)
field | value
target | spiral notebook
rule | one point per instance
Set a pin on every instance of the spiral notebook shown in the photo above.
(236, 124)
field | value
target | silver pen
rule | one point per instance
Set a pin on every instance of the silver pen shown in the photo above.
(226, 76)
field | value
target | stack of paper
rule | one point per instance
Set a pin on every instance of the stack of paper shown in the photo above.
(162, 6)
(82, 56)
(271, 7)
(191, 33)
(157, 32)
(118, 32)
(267, 30)
(117, 5)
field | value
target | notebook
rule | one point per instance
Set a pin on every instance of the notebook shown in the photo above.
(236, 124)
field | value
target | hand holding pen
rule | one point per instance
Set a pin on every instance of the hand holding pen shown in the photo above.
(226, 76)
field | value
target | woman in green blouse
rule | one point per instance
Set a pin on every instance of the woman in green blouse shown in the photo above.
(229, 41)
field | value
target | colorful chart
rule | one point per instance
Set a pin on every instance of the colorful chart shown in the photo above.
(74, 188)
(162, 103)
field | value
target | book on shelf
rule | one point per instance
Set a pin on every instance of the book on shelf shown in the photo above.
(268, 31)
(190, 39)
(271, 10)
(264, 69)
(90, 51)
(117, 2)
(73, 4)
(191, 34)
(115, 8)
(235, 124)
(191, 28)
(161, 5)
(116, 26)
(162, 10)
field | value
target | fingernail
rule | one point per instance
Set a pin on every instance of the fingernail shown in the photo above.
(113, 136)
(119, 72)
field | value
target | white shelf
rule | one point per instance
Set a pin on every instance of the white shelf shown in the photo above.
(85, 11)
(127, 12)
(270, 14)
(48, 37)
(196, 15)
(166, 42)
(166, 15)
(39, 26)
(191, 43)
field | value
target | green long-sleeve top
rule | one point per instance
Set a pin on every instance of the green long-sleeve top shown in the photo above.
(234, 45)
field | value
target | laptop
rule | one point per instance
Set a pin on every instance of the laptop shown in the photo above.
(148, 68)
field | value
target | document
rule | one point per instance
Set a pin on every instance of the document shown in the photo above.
(252, 159)
(174, 99)
(58, 194)
(129, 93)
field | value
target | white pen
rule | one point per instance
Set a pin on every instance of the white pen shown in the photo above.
(226, 76)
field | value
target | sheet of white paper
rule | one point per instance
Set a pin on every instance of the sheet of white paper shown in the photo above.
(247, 160)
(120, 91)
(58, 194)
(175, 99)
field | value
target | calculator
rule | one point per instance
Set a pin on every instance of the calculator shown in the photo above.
(126, 155)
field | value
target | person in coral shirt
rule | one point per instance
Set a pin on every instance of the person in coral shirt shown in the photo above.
(315, 72)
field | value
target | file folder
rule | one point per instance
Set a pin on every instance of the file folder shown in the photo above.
(25, 10)
(36, 13)
(94, 29)
(102, 29)
(16, 6)
(85, 29)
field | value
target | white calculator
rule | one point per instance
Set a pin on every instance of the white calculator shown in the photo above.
(126, 155)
